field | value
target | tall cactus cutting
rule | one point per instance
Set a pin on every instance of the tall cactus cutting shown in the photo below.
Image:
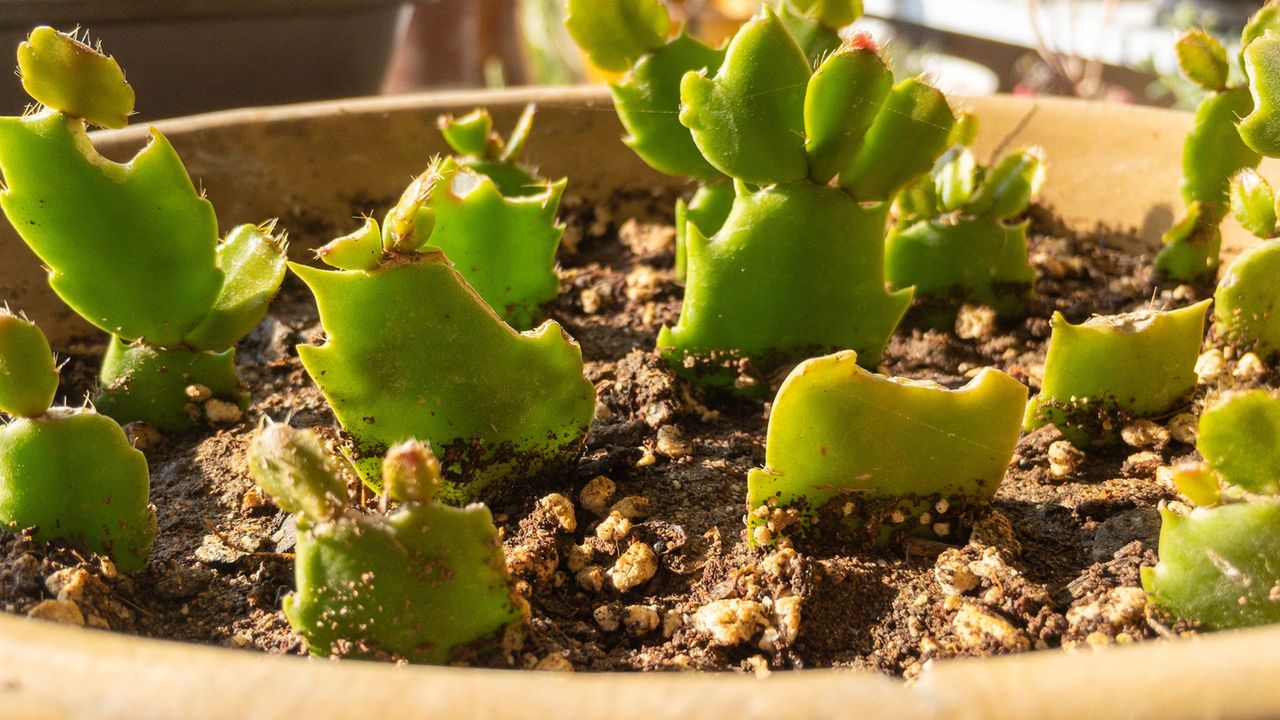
(133, 248)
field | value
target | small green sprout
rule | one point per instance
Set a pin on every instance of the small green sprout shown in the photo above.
(1111, 369)
(797, 268)
(70, 473)
(132, 248)
(494, 219)
(881, 456)
(414, 352)
(1220, 562)
(1219, 145)
(417, 584)
(953, 241)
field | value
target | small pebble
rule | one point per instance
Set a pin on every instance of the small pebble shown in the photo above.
(1183, 428)
(590, 578)
(975, 322)
(731, 622)
(632, 507)
(597, 495)
(634, 567)
(672, 442)
(608, 617)
(640, 619)
(1144, 434)
(1249, 368)
(613, 528)
(561, 508)
(554, 662)
(1210, 366)
(198, 393)
(579, 557)
(1064, 459)
(221, 412)
(590, 298)
(59, 611)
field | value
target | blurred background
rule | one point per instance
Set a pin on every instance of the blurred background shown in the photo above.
(188, 56)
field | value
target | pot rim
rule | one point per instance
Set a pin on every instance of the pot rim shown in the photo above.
(48, 671)
(94, 13)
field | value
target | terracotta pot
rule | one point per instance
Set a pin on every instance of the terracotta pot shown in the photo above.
(316, 165)
(191, 56)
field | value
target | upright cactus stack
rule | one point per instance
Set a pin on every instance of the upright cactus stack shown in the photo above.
(1215, 149)
(415, 584)
(953, 240)
(132, 248)
(495, 220)
(71, 473)
(412, 351)
(796, 268)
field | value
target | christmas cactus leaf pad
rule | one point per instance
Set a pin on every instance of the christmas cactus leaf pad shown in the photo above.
(1245, 303)
(616, 33)
(748, 119)
(1238, 438)
(416, 584)
(814, 257)
(133, 248)
(413, 352)
(878, 455)
(647, 101)
(63, 74)
(963, 248)
(1111, 369)
(1261, 129)
(1220, 565)
(72, 474)
(504, 246)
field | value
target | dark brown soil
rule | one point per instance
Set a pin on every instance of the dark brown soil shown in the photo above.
(1054, 561)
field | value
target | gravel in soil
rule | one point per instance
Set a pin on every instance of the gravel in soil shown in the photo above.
(639, 561)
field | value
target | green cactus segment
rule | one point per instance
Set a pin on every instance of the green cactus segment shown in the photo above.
(67, 75)
(910, 132)
(616, 33)
(130, 247)
(815, 38)
(149, 384)
(1265, 20)
(1191, 246)
(252, 262)
(1214, 151)
(505, 247)
(470, 134)
(1218, 566)
(648, 99)
(951, 242)
(75, 476)
(975, 259)
(842, 101)
(1253, 203)
(294, 468)
(414, 585)
(28, 377)
(707, 209)
(412, 351)
(834, 14)
(1101, 374)
(890, 448)
(1245, 304)
(1008, 188)
(757, 290)
(1203, 60)
(1238, 439)
(748, 120)
(1261, 129)
(361, 250)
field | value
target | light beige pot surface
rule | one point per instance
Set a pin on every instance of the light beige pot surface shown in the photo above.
(316, 166)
